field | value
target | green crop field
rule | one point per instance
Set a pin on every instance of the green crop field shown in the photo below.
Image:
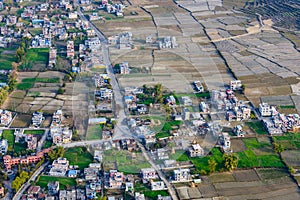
(7, 56)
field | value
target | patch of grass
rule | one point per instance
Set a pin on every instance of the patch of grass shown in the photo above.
(78, 156)
(94, 132)
(169, 124)
(34, 132)
(257, 127)
(146, 190)
(9, 136)
(180, 155)
(162, 135)
(64, 183)
(125, 162)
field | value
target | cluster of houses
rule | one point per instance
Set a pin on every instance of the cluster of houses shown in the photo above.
(59, 133)
(278, 123)
(103, 95)
(117, 9)
(122, 41)
(236, 110)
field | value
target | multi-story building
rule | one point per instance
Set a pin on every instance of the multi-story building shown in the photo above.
(103, 94)
(181, 175)
(124, 68)
(148, 173)
(52, 56)
(59, 167)
(5, 117)
(235, 85)
(196, 150)
(61, 135)
(31, 141)
(267, 110)
(3, 147)
(70, 49)
(115, 179)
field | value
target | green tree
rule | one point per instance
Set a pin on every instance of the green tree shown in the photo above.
(230, 161)
(278, 148)
(3, 95)
(20, 54)
(292, 170)
(158, 93)
(212, 165)
(16, 184)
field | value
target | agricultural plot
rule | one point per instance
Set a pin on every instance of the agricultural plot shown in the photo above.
(38, 91)
(7, 56)
(244, 184)
(35, 59)
(258, 153)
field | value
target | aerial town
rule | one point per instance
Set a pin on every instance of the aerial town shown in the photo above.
(149, 99)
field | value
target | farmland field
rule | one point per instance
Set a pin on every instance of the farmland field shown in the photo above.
(7, 56)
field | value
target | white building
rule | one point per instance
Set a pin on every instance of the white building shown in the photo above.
(198, 86)
(266, 110)
(148, 173)
(124, 68)
(181, 175)
(196, 150)
(235, 85)
(3, 147)
(157, 185)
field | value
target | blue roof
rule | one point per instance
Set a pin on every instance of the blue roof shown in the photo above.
(72, 172)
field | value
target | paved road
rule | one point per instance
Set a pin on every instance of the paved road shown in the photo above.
(122, 131)
(31, 179)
